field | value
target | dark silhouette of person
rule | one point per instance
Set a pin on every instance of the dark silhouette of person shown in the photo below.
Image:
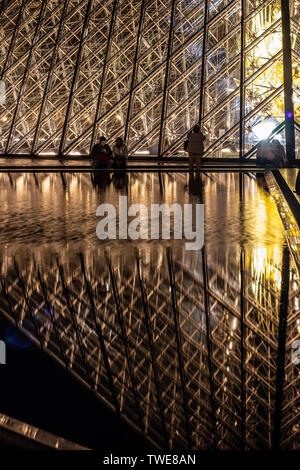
(101, 154)
(195, 147)
(120, 179)
(271, 153)
(101, 179)
(120, 154)
(196, 186)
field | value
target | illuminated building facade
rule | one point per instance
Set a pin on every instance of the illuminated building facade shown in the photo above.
(148, 70)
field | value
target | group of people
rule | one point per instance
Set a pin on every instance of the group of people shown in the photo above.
(105, 157)
(269, 153)
(116, 158)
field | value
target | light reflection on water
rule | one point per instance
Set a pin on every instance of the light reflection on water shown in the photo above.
(45, 216)
(49, 210)
(49, 215)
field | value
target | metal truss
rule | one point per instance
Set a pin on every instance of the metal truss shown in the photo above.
(148, 70)
(194, 354)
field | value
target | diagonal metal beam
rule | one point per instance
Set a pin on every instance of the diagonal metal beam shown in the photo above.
(50, 310)
(2, 7)
(242, 347)
(125, 343)
(100, 337)
(281, 350)
(153, 353)
(34, 38)
(11, 45)
(242, 102)
(203, 60)
(27, 302)
(208, 346)
(49, 76)
(74, 79)
(137, 46)
(98, 105)
(288, 81)
(179, 346)
(10, 306)
(75, 325)
(164, 97)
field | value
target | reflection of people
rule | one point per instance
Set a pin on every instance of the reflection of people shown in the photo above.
(196, 186)
(101, 154)
(297, 188)
(101, 179)
(271, 154)
(120, 154)
(195, 147)
(120, 179)
(261, 181)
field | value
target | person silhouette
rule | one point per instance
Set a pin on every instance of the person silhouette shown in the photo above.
(100, 179)
(297, 187)
(101, 154)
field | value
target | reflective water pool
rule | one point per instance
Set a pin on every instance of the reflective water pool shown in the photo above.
(54, 209)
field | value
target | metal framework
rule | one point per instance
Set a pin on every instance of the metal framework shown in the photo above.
(149, 70)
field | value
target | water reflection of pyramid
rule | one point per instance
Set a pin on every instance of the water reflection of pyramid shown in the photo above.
(76, 69)
(187, 352)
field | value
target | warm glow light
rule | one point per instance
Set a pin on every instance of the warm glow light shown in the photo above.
(46, 184)
(20, 183)
(265, 264)
(270, 78)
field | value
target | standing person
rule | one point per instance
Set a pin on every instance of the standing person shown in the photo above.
(120, 154)
(195, 147)
(280, 158)
(101, 154)
(271, 154)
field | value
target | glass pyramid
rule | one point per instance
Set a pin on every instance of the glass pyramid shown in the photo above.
(73, 70)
